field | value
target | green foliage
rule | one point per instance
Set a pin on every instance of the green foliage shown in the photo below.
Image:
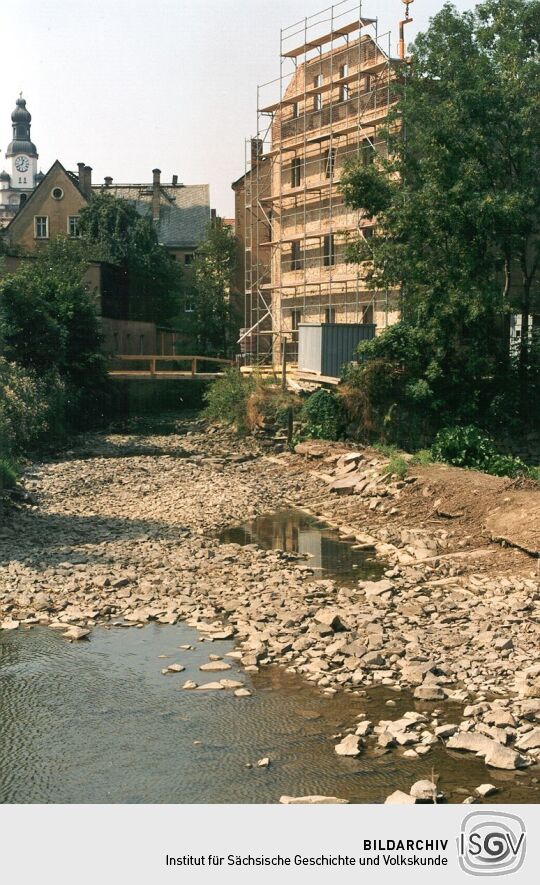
(397, 466)
(28, 407)
(227, 398)
(463, 447)
(324, 416)
(8, 474)
(470, 447)
(113, 230)
(212, 323)
(50, 333)
(457, 204)
(422, 457)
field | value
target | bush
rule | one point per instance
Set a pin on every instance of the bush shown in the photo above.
(324, 416)
(463, 447)
(423, 457)
(8, 474)
(269, 404)
(227, 398)
(248, 401)
(471, 447)
(396, 466)
(30, 407)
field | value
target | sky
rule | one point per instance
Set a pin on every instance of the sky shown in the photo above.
(127, 85)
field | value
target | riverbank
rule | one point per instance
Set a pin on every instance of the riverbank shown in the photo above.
(123, 530)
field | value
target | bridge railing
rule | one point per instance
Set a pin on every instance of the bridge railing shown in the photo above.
(154, 360)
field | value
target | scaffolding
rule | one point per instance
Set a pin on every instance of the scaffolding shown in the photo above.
(328, 106)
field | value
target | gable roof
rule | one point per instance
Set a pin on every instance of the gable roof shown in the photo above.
(27, 205)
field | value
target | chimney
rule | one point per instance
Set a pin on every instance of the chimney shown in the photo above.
(108, 181)
(174, 180)
(256, 151)
(156, 188)
(86, 182)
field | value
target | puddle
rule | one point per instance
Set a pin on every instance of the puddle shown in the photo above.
(296, 532)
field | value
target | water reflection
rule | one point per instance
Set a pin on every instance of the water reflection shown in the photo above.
(297, 532)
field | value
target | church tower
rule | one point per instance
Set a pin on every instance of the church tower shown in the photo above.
(23, 177)
(21, 150)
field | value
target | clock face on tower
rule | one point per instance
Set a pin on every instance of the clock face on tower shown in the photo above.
(21, 164)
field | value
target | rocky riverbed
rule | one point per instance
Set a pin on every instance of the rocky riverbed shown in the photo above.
(124, 530)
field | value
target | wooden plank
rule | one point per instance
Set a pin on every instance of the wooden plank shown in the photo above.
(343, 31)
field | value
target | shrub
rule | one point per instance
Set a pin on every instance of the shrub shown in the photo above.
(422, 457)
(8, 474)
(324, 416)
(463, 447)
(227, 398)
(471, 447)
(396, 466)
(28, 407)
(269, 403)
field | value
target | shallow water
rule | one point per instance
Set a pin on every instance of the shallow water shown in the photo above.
(97, 722)
(297, 532)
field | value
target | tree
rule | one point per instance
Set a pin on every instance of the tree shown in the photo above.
(457, 201)
(113, 231)
(48, 326)
(213, 323)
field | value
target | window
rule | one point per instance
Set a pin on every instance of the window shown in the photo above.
(188, 258)
(329, 255)
(295, 256)
(189, 304)
(295, 111)
(367, 83)
(367, 233)
(296, 318)
(317, 99)
(330, 162)
(73, 226)
(41, 227)
(344, 88)
(296, 172)
(141, 344)
(57, 193)
(330, 315)
(367, 152)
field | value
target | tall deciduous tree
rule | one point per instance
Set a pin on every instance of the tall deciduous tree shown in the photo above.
(114, 231)
(213, 323)
(457, 199)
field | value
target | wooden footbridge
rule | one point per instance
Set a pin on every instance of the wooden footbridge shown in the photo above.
(167, 368)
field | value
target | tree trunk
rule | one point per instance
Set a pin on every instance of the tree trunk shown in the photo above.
(523, 366)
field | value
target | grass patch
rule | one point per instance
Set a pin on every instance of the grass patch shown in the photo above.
(422, 458)
(397, 466)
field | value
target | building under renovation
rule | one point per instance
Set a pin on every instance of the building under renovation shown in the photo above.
(328, 106)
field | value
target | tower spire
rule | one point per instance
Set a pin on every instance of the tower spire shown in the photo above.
(21, 142)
